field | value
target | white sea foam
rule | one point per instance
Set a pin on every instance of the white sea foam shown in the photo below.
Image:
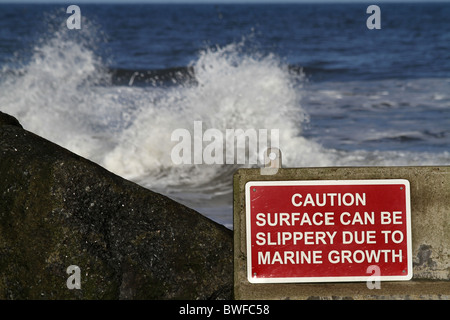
(233, 90)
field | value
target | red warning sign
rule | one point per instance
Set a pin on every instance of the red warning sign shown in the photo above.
(328, 231)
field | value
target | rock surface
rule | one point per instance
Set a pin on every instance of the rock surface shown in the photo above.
(58, 209)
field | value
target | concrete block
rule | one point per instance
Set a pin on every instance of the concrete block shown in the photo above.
(430, 219)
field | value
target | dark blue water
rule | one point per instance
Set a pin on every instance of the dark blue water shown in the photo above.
(330, 41)
(339, 93)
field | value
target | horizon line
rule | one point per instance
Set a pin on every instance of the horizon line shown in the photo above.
(222, 2)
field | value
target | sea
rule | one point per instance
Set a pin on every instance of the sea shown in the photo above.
(339, 93)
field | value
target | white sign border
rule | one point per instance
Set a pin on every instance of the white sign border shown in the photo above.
(255, 280)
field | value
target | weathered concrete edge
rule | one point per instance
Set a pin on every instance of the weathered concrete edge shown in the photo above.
(421, 287)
